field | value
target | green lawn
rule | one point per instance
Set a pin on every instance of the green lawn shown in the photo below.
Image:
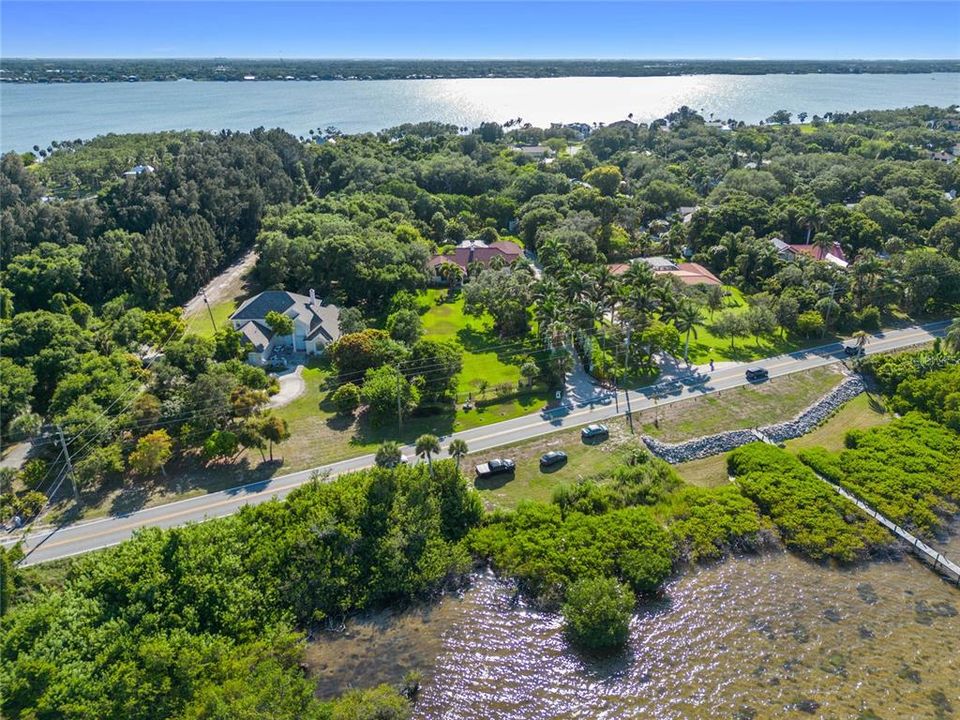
(530, 482)
(319, 435)
(706, 472)
(739, 408)
(485, 355)
(743, 407)
(199, 322)
(707, 346)
(864, 411)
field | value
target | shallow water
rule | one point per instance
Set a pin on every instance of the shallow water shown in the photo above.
(37, 114)
(762, 636)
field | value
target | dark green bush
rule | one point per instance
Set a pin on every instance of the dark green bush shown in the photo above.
(549, 551)
(182, 622)
(811, 517)
(908, 471)
(597, 613)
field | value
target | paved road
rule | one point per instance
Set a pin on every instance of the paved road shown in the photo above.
(46, 544)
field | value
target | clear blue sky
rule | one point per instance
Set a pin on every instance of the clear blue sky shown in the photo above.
(583, 29)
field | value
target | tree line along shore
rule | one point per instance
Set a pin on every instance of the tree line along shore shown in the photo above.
(24, 70)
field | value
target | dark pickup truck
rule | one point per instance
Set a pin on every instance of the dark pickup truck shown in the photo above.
(495, 467)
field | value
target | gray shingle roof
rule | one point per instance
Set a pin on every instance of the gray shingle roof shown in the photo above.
(257, 333)
(321, 319)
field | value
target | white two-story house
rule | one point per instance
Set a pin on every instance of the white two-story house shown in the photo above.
(315, 324)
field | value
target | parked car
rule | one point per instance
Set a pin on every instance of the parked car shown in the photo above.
(757, 374)
(594, 431)
(672, 385)
(853, 349)
(554, 457)
(496, 466)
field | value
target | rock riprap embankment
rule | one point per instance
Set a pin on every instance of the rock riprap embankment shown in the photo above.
(803, 423)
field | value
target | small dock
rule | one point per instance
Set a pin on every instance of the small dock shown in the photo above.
(937, 561)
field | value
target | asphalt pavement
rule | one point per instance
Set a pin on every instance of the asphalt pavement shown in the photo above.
(45, 544)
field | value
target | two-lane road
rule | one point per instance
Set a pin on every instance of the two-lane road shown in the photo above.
(50, 544)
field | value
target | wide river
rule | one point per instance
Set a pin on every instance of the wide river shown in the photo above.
(769, 636)
(37, 114)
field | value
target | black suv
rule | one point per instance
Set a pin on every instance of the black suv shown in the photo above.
(554, 457)
(757, 374)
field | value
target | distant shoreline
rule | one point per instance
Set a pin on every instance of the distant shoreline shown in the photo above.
(69, 71)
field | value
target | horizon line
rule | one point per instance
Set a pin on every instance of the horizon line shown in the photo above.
(279, 58)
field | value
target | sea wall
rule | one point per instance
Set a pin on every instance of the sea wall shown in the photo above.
(803, 423)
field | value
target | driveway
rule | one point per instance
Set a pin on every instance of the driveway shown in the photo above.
(292, 386)
(223, 286)
(14, 456)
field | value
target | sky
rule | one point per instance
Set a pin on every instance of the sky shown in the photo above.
(765, 29)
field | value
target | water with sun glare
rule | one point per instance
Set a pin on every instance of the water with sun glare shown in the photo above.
(38, 114)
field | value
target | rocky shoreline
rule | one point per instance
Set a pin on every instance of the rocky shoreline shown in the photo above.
(804, 422)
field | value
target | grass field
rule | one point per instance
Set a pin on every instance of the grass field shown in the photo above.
(743, 407)
(199, 323)
(485, 354)
(707, 346)
(706, 472)
(226, 297)
(529, 482)
(319, 435)
(864, 411)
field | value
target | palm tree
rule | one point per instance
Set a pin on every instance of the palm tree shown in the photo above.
(457, 449)
(388, 454)
(450, 273)
(860, 340)
(686, 320)
(587, 313)
(952, 339)
(866, 269)
(811, 217)
(823, 242)
(557, 332)
(426, 446)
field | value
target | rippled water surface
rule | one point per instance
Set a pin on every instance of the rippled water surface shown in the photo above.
(37, 114)
(765, 637)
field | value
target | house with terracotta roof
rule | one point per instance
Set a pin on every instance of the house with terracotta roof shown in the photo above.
(688, 273)
(315, 324)
(834, 256)
(474, 251)
(788, 252)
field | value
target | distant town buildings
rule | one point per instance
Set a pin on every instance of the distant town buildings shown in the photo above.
(139, 170)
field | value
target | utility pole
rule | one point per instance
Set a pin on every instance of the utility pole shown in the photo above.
(626, 371)
(826, 320)
(206, 302)
(399, 412)
(66, 454)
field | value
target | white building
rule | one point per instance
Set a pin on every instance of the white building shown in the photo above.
(315, 325)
